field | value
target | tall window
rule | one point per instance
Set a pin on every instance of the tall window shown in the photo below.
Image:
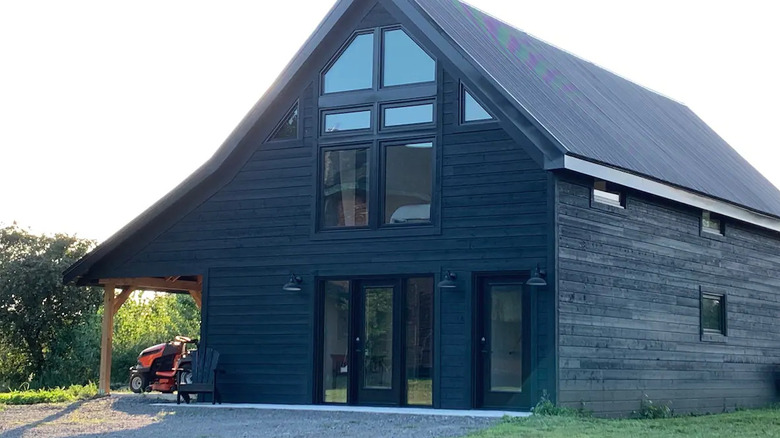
(372, 177)
(713, 313)
(345, 194)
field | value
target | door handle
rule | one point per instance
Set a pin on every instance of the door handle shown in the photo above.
(483, 345)
(358, 348)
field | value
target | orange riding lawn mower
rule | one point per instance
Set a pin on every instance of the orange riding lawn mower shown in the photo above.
(157, 366)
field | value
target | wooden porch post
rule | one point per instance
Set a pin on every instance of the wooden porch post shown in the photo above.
(107, 336)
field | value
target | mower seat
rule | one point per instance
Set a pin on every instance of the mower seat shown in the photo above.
(169, 374)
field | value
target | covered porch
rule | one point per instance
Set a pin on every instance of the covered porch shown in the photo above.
(116, 293)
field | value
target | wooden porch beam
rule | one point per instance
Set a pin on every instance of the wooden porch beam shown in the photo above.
(152, 283)
(121, 298)
(106, 339)
(198, 297)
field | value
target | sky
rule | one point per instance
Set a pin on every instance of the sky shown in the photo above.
(105, 106)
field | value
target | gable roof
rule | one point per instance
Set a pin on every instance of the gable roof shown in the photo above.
(595, 122)
(601, 117)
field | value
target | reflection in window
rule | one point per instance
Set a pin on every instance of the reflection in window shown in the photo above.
(419, 341)
(289, 127)
(713, 315)
(409, 115)
(378, 326)
(404, 62)
(472, 110)
(408, 183)
(711, 223)
(354, 69)
(335, 339)
(345, 188)
(348, 121)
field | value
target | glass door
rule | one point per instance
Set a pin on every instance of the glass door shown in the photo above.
(377, 343)
(503, 344)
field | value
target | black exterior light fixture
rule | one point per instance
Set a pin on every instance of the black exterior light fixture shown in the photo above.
(449, 281)
(537, 277)
(293, 284)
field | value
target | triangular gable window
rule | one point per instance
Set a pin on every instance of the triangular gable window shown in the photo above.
(354, 68)
(473, 111)
(288, 129)
(404, 62)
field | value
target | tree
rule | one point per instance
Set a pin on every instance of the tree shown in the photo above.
(35, 307)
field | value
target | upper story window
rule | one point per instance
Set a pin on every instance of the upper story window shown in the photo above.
(401, 61)
(354, 68)
(377, 142)
(404, 62)
(471, 110)
(712, 223)
(608, 194)
(288, 128)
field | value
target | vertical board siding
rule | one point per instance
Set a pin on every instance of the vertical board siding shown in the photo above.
(257, 229)
(629, 307)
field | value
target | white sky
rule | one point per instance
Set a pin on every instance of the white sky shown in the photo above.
(107, 105)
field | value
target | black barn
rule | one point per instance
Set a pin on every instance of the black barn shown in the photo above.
(433, 208)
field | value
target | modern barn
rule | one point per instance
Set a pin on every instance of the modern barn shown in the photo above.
(432, 208)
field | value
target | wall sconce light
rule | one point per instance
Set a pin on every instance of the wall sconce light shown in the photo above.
(537, 277)
(293, 284)
(449, 281)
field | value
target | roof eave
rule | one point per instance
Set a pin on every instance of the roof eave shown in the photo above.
(78, 270)
(666, 191)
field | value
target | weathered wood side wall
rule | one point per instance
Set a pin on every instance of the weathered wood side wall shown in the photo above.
(629, 283)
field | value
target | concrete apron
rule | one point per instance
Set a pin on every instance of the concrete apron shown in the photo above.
(361, 409)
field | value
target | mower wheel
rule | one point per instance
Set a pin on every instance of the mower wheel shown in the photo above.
(138, 382)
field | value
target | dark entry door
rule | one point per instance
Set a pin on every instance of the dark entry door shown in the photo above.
(377, 344)
(503, 345)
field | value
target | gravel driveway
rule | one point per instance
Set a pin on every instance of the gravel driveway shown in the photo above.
(127, 415)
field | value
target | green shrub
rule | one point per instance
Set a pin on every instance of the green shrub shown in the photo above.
(650, 410)
(56, 395)
(545, 406)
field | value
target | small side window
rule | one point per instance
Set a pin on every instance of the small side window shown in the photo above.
(288, 128)
(712, 223)
(713, 313)
(471, 109)
(608, 194)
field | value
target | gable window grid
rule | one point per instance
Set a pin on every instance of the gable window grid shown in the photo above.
(608, 194)
(713, 312)
(712, 224)
(471, 110)
(372, 175)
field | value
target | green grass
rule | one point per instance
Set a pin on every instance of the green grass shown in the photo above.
(762, 423)
(55, 395)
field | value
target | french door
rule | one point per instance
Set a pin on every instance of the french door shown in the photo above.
(375, 341)
(503, 347)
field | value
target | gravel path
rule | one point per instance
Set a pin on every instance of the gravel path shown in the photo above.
(133, 416)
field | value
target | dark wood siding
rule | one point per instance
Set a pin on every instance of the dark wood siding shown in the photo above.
(255, 230)
(629, 285)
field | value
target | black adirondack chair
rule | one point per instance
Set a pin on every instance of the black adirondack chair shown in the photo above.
(204, 377)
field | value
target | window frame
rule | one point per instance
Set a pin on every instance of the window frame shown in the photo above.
(335, 58)
(345, 110)
(321, 186)
(708, 334)
(380, 61)
(382, 150)
(709, 232)
(462, 108)
(402, 104)
(280, 123)
(608, 206)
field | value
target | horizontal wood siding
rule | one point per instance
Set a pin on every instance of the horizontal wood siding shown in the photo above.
(258, 228)
(629, 286)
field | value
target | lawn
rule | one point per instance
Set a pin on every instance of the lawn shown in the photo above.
(742, 424)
